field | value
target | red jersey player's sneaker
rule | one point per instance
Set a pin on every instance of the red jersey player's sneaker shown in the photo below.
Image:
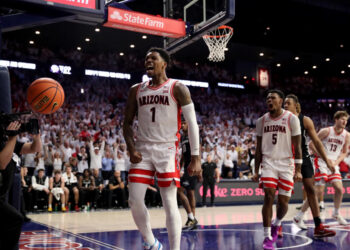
(156, 245)
(321, 232)
(276, 232)
(76, 208)
(268, 244)
(280, 232)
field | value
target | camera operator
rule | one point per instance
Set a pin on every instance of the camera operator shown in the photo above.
(10, 151)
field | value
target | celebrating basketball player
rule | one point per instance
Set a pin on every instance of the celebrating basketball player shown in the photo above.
(292, 104)
(336, 142)
(158, 104)
(277, 131)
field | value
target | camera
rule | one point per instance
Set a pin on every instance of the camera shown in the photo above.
(31, 127)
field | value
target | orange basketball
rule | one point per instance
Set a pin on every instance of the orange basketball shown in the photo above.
(45, 95)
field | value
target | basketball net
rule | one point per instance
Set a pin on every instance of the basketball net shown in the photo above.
(216, 41)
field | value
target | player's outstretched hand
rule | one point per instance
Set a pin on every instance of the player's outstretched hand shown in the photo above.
(194, 168)
(135, 157)
(297, 176)
(330, 165)
(255, 178)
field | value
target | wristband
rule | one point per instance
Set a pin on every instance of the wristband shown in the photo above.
(298, 161)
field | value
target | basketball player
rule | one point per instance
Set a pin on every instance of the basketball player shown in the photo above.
(188, 183)
(335, 140)
(56, 189)
(158, 104)
(292, 104)
(277, 131)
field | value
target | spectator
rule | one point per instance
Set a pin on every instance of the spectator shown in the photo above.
(29, 163)
(83, 160)
(107, 166)
(48, 159)
(57, 161)
(96, 154)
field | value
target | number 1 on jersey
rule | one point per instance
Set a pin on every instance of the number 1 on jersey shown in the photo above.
(153, 110)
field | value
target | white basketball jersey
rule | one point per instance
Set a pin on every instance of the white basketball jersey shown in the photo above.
(159, 115)
(334, 143)
(277, 135)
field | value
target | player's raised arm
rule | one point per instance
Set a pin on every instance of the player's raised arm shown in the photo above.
(183, 97)
(130, 112)
(309, 126)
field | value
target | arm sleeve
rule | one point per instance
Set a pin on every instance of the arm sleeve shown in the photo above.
(295, 125)
(193, 130)
(259, 126)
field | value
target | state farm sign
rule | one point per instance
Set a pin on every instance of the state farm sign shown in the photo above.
(144, 23)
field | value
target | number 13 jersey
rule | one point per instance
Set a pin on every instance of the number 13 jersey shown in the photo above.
(333, 143)
(159, 114)
(276, 135)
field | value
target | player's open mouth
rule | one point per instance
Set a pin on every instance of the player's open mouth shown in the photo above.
(270, 106)
(148, 68)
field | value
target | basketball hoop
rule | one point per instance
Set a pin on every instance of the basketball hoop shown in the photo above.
(216, 41)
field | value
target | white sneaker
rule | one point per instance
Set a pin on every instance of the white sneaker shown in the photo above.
(340, 219)
(156, 246)
(299, 222)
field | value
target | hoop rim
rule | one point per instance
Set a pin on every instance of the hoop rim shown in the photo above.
(219, 28)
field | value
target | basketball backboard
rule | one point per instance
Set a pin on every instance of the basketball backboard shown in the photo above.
(201, 16)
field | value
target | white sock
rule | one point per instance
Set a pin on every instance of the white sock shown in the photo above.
(173, 217)
(336, 211)
(139, 211)
(267, 232)
(277, 222)
(50, 205)
(62, 205)
(190, 216)
(322, 203)
(300, 215)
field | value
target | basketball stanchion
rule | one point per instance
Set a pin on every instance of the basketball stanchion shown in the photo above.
(216, 40)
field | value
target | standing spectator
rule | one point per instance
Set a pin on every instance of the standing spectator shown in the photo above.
(210, 175)
(96, 154)
(83, 160)
(120, 164)
(227, 171)
(117, 188)
(71, 186)
(57, 161)
(56, 188)
(48, 159)
(40, 184)
(30, 163)
(66, 150)
(39, 162)
(107, 166)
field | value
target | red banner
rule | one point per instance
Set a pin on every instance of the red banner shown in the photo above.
(144, 23)
(90, 4)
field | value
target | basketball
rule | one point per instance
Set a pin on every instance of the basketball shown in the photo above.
(45, 95)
